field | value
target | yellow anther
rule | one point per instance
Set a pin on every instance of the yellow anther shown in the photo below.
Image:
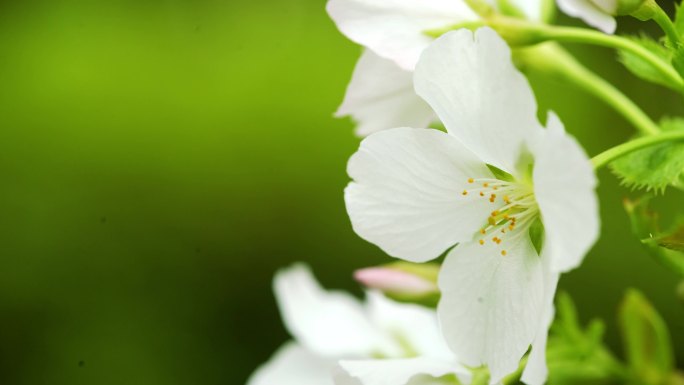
(485, 184)
(464, 192)
(481, 194)
(503, 252)
(511, 227)
(503, 231)
(507, 199)
(495, 213)
(482, 241)
(471, 180)
(483, 231)
(495, 188)
(491, 221)
(506, 216)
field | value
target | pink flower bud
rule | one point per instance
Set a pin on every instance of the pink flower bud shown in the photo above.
(394, 281)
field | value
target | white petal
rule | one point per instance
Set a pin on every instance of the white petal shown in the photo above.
(327, 323)
(294, 365)
(408, 371)
(381, 96)
(395, 29)
(564, 184)
(478, 94)
(536, 371)
(590, 13)
(415, 325)
(492, 305)
(406, 195)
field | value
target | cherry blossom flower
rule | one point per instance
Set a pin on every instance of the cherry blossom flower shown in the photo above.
(335, 333)
(394, 32)
(516, 199)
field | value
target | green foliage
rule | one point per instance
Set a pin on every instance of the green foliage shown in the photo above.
(641, 68)
(660, 244)
(655, 167)
(576, 355)
(646, 339)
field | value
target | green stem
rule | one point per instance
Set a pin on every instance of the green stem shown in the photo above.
(666, 24)
(581, 35)
(552, 60)
(623, 149)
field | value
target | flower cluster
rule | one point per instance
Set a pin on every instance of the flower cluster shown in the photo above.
(509, 203)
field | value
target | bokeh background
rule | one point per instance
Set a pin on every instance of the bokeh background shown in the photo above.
(161, 159)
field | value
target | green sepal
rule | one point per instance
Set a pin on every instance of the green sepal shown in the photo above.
(679, 19)
(645, 225)
(646, 339)
(537, 233)
(643, 69)
(500, 174)
(656, 167)
(507, 8)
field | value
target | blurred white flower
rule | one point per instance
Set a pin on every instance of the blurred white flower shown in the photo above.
(330, 326)
(418, 192)
(381, 94)
(597, 13)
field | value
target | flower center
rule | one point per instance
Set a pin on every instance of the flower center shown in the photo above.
(514, 209)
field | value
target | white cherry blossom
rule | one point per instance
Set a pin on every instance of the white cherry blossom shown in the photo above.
(393, 32)
(335, 334)
(483, 186)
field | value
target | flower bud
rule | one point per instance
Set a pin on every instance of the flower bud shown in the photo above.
(403, 281)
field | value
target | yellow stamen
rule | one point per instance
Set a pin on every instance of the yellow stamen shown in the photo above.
(471, 180)
(464, 192)
(503, 252)
(482, 241)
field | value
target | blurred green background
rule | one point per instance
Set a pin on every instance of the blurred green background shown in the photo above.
(161, 159)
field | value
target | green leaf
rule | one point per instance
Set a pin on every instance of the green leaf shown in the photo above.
(642, 69)
(646, 339)
(655, 167)
(577, 355)
(645, 225)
